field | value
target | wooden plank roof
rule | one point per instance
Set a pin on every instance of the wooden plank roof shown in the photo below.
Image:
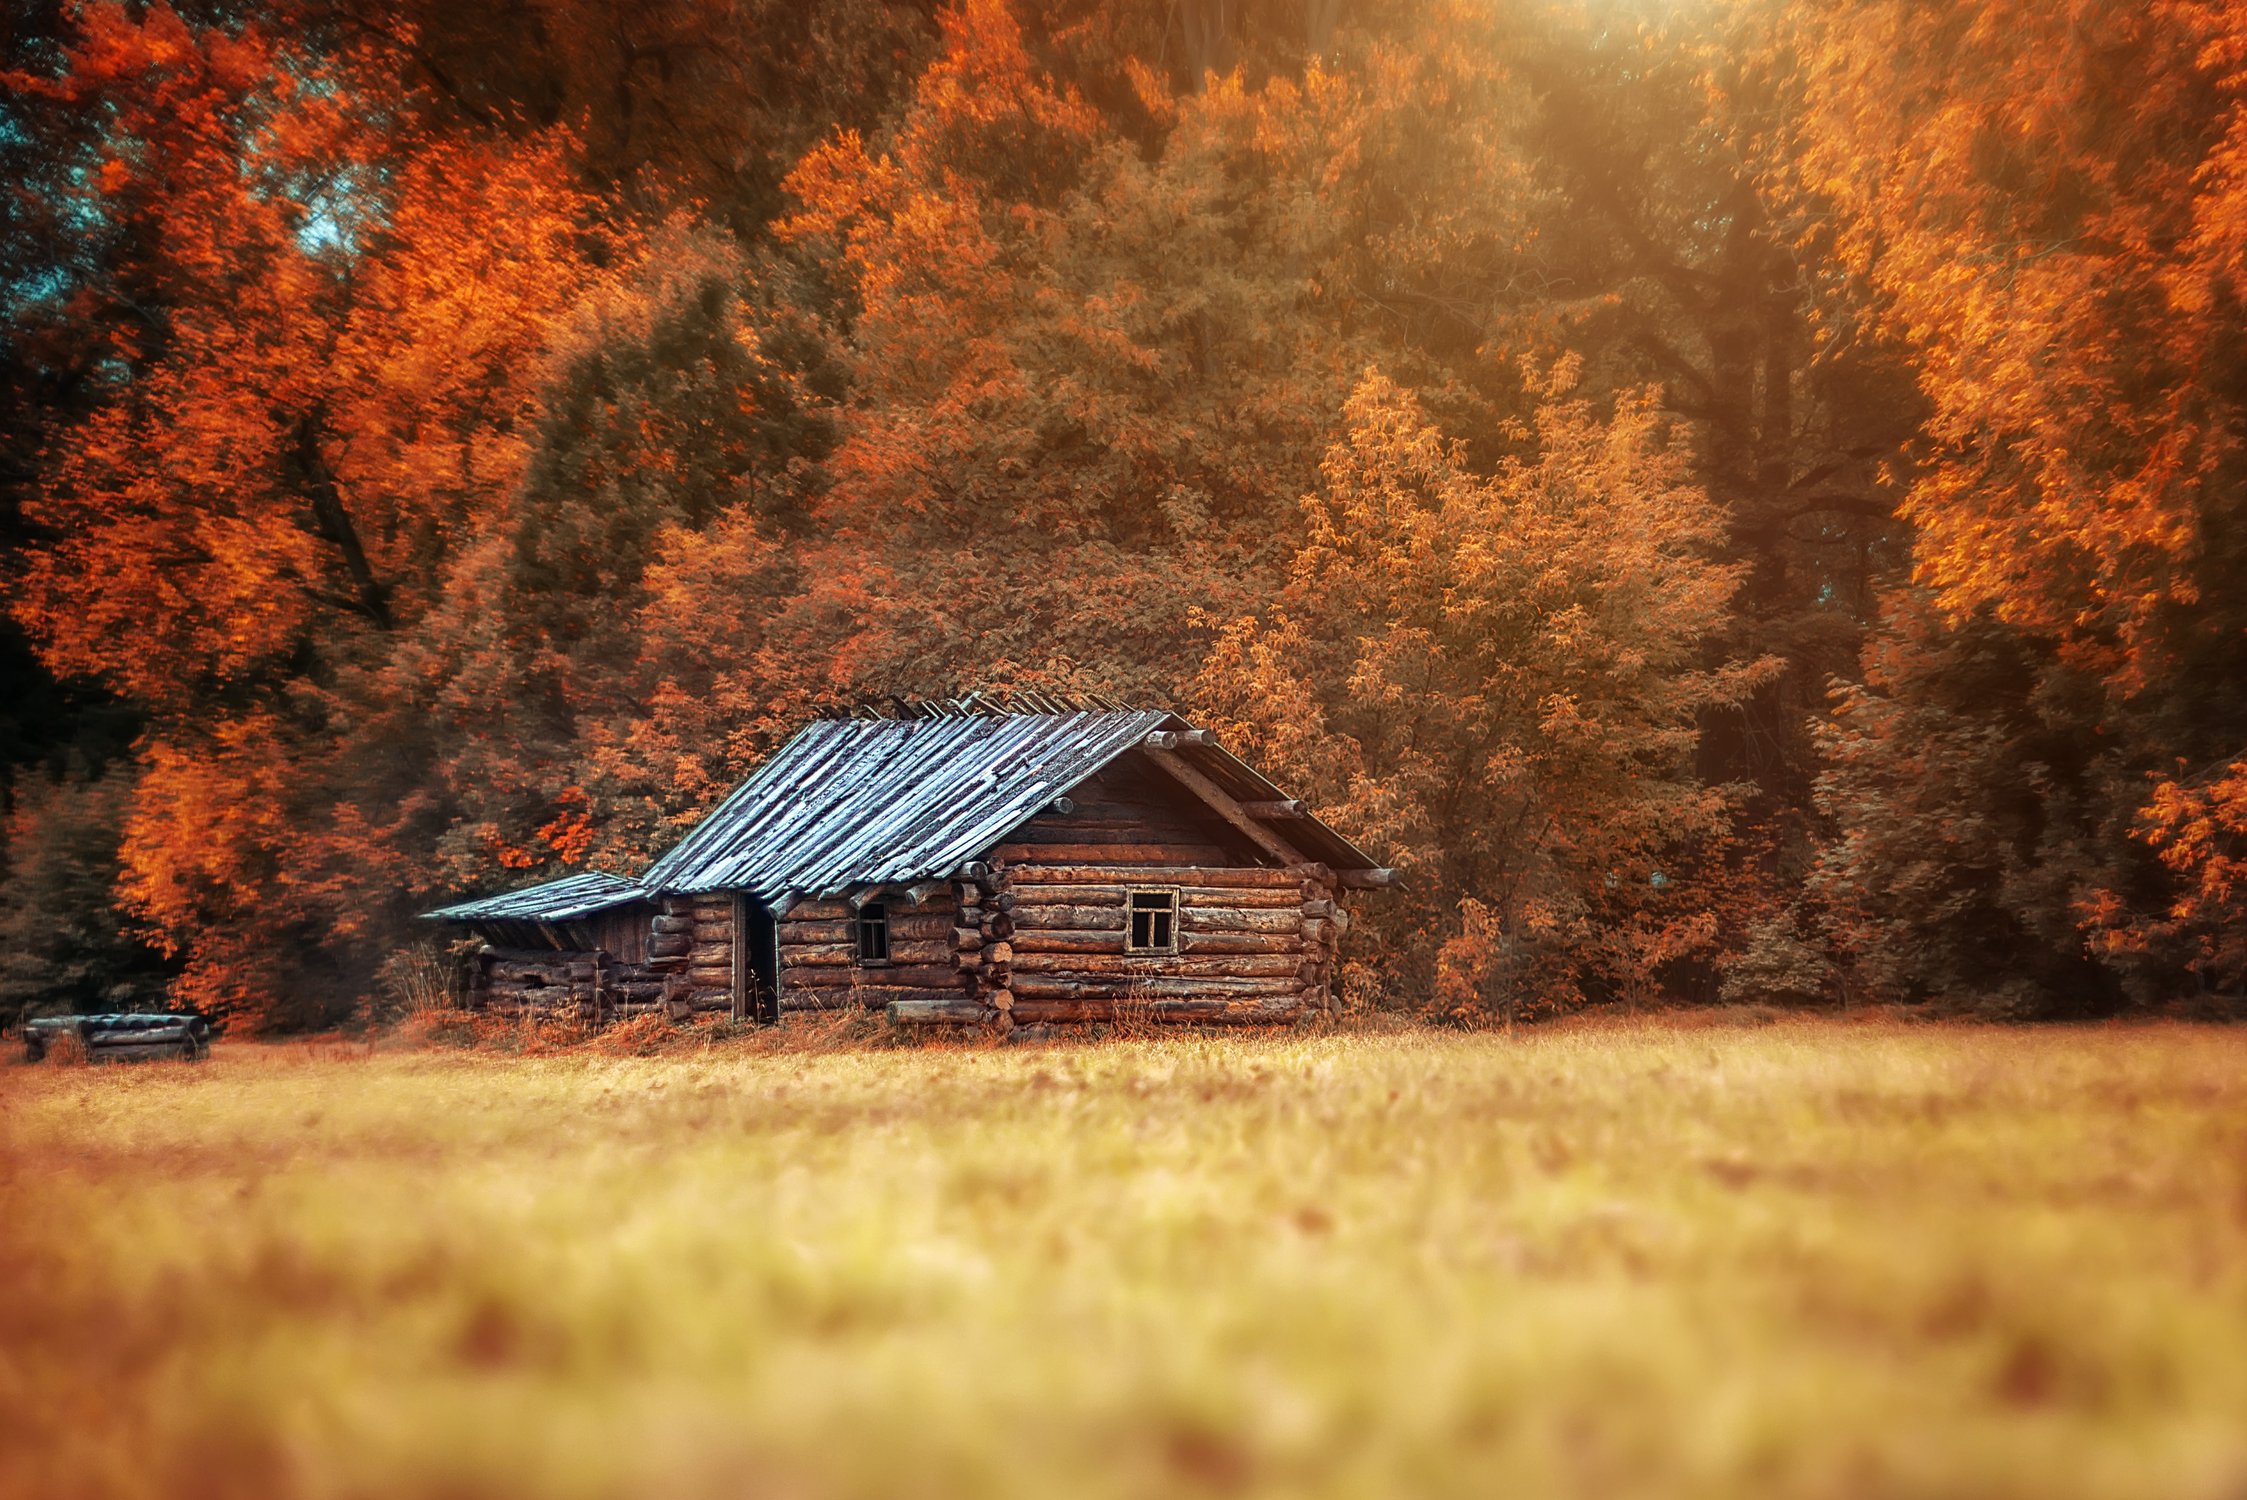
(871, 801)
(859, 802)
(561, 900)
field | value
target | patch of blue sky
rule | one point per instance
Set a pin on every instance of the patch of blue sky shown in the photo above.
(337, 204)
(46, 285)
(338, 208)
(80, 212)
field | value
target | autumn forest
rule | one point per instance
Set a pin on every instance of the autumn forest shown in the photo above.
(1736, 500)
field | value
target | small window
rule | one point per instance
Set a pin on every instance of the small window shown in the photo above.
(1154, 922)
(873, 933)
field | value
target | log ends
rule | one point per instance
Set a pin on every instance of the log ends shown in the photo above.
(1291, 807)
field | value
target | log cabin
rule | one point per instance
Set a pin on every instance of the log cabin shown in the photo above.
(966, 862)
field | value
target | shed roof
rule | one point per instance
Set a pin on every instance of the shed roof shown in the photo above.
(853, 802)
(561, 900)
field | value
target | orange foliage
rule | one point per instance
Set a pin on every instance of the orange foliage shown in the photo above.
(1092, 379)
(2199, 828)
(341, 395)
(1497, 680)
(2048, 201)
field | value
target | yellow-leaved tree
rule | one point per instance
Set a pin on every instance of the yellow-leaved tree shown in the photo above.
(1494, 678)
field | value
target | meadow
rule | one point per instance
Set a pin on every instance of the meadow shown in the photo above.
(1809, 1258)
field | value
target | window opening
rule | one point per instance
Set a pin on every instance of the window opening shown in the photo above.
(873, 933)
(1154, 922)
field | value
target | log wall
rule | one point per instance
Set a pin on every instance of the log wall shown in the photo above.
(819, 968)
(1043, 918)
(1126, 814)
(687, 967)
(1254, 945)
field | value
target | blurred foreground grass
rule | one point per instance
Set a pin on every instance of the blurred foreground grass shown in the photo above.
(1809, 1259)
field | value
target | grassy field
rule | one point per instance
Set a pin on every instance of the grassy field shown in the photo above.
(1804, 1259)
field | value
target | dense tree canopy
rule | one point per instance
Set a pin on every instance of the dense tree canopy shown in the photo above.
(1498, 679)
(1743, 492)
(2044, 204)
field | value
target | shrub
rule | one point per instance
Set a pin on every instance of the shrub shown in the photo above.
(66, 944)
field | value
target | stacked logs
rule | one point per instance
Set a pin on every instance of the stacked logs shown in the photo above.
(984, 941)
(981, 953)
(552, 981)
(1253, 945)
(709, 968)
(689, 967)
(1325, 921)
(819, 968)
(662, 983)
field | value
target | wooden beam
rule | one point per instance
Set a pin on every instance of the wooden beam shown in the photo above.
(1367, 880)
(737, 1007)
(1222, 803)
(1291, 808)
(962, 1012)
(1049, 876)
(1172, 739)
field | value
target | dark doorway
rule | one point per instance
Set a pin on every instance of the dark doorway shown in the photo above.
(756, 960)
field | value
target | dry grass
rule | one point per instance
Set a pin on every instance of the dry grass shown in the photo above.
(1800, 1259)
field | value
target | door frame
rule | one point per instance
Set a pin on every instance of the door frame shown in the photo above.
(756, 986)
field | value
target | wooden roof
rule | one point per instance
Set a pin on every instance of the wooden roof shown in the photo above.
(914, 793)
(858, 802)
(561, 900)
